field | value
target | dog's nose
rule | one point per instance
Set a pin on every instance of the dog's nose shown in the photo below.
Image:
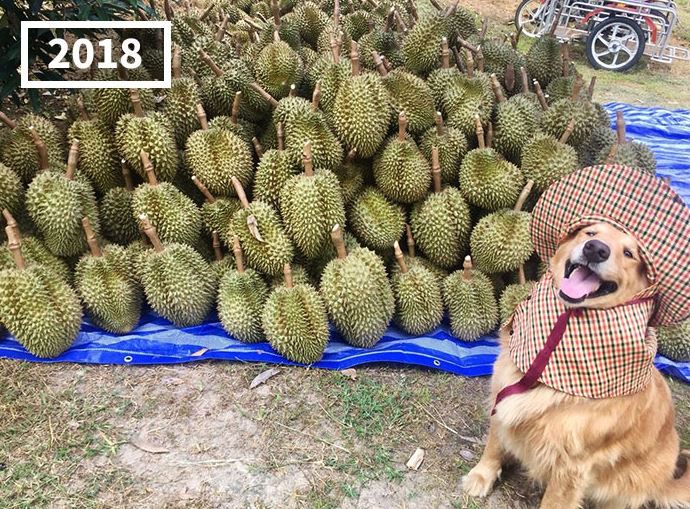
(596, 251)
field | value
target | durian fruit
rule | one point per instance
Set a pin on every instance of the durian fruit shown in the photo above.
(175, 217)
(376, 221)
(409, 94)
(441, 223)
(37, 306)
(311, 21)
(221, 263)
(295, 322)
(268, 248)
(103, 279)
(351, 177)
(151, 133)
(215, 155)
(420, 47)
(277, 67)
(546, 159)
(235, 125)
(180, 102)
(467, 97)
(112, 103)
(242, 295)
(601, 138)
(469, 296)
(512, 295)
(444, 77)
(400, 169)
(57, 202)
(452, 147)
(216, 213)
(356, 23)
(310, 204)
(674, 341)
(117, 217)
(178, 283)
(544, 58)
(486, 179)
(361, 110)
(411, 259)
(502, 60)
(154, 62)
(300, 276)
(418, 300)
(18, 151)
(11, 190)
(329, 71)
(633, 153)
(357, 294)
(274, 169)
(500, 241)
(383, 40)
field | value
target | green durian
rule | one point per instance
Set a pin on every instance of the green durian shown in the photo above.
(179, 105)
(295, 322)
(556, 119)
(116, 212)
(221, 263)
(376, 221)
(517, 119)
(300, 276)
(463, 22)
(357, 294)
(274, 169)
(633, 153)
(497, 58)
(351, 177)
(329, 72)
(385, 43)
(233, 124)
(441, 79)
(469, 296)
(512, 295)
(466, 98)
(356, 23)
(217, 213)
(546, 159)
(315, 267)
(674, 341)
(153, 61)
(98, 159)
(420, 47)
(112, 103)
(544, 59)
(452, 147)
(277, 67)
(311, 21)
(11, 190)
(600, 139)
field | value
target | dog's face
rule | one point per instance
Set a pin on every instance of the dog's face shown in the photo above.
(598, 266)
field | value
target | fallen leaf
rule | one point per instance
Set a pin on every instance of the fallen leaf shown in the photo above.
(351, 373)
(263, 377)
(141, 441)
(416, 459)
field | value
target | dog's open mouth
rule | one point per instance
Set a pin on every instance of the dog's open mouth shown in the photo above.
(580, 282)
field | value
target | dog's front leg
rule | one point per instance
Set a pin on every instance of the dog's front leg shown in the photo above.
(565, 490)
(481, 479)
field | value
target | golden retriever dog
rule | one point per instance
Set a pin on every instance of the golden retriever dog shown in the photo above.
(617, 453)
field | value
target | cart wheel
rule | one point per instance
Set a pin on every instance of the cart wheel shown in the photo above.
(615, 44)
(528, 16)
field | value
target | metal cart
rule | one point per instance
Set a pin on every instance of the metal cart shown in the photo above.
(616, 33)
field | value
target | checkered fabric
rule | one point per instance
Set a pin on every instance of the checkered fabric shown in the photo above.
(636, 202)
(602, 353)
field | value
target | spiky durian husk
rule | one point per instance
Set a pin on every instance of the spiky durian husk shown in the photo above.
(439, 273)
(179, 107)
(498, 56)
(315, 267)
(440, 81)
(311, 21)
(327, 152)
(277, 67)
(187, 28)
(36, 253)
(544, 61)
(117, 216)
(323, 43)
(375, 220)
(361, 113)
(56, 206)
(153, 135)
(243, 129)
(39, 309)
(411, 94)
(175, 216)
(511, 296)
(401, 171)
(18, 151)
(110, 294)
(270, 255)
(489, 181)
(500, 242)
(241, 300)
(418, 302)
(153, 60)
(11, 190)
(274, 169)
(545, 160)
(98, 159)
(220, 267)
(384, 43)
(300, 276)
(471, 304)
(555, 120)
(517, 119)
(217, 216)
(295, 322)
(178, 283)
(112, 103)
(635, 154)
(466, 99)
(136, 255)
(452, 147)
(215, 155)
(218, 51)
(351, 178)
(290, 108)
(331, 76)
(674, 341)
(310, 207)
(463, 22)
(601, 137)
(358, 297)
(562, 88)
(441, 227)
(356, 23)
(288, 32)
(420, 48)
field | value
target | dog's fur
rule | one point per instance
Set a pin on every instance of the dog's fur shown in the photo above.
(619, 453)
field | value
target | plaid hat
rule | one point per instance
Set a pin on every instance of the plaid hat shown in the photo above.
(636, 202)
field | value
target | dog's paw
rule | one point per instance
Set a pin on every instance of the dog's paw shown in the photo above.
(480, 480)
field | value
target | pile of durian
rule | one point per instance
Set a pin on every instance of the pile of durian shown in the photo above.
(311, 162)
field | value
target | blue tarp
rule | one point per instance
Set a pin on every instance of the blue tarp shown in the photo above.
(156, 341)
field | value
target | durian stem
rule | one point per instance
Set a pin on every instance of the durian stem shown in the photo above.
(7, 120)
(354, 59)
(177, 62)
(440, 126)
(490, 135)
(612, 153)
(91, 238)
(540, 95)
(402, 27)
(151, 233)
(515, 38)
(267, 97)
(11, 222)
(445, 54)
(436, 5)
(40, 148)
(239, 190)
(207, 11)
(280, 135)
(316, 96)
(127, 176)
(351, 155)
(72, 159)
(237, 251)
(556, 20)
(459, 62)
(592, 84)
(480, 59)
(14, 244)
(287, 274)
(378, 63)
(462, 42)
(565, 53)
(336, 14)
(467, 268)
(577, 87)
(293, 91)
(497, 89)
(203, 189)
(209, 62)
(215, 242)
(307, 160)
(83, 114)
(335, 49)
(479, 130)
(234, 113)
(338, 242)
(402, 126)
(524, 79)
(412, 8)
(469, 58)
(201, 115)
(148, 168)
(122, 72)
(136, 102)
(386, 63)
(389, 20)
(167, 8)
(257, 147)
(523, 196)
(399, 258)
(410, 241)
(620, 127)
(373, 3)
(568, 131)
(485, 28)
(521, 275)
(220, 34)
(435, 169)
(276, 36)
(276, 13)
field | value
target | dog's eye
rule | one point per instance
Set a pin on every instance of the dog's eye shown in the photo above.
(590, 234)
(628, 253)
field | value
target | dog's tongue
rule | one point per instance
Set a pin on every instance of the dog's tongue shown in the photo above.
(581, 283)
